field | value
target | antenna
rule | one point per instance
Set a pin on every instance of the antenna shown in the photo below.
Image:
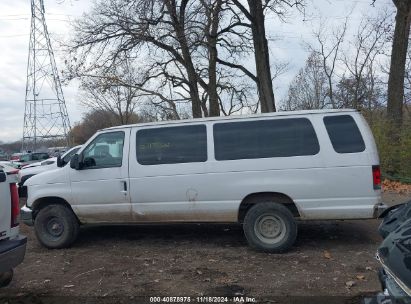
(45, 114)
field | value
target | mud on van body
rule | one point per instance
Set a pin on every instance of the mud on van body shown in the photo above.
(264, 171)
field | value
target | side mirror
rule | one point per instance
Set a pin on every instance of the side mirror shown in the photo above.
(60, 162)
(75, 162)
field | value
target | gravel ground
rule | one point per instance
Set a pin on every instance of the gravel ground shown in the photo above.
(123, 263)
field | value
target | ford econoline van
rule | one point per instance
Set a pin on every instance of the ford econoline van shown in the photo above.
(264, 171)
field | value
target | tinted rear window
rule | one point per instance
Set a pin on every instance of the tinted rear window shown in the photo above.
(172, 145)
(264, 139)
(344, 134)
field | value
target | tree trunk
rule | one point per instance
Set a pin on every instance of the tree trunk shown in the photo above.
(179, 27)
(195, 99)
(398, 59)
(262, 57)
(214, 108)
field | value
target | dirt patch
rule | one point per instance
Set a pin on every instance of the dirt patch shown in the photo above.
(123, 263)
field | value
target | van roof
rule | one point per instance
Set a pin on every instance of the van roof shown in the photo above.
(233, 117)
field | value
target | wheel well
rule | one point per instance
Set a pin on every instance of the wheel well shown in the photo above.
(254, 198)
(45, 201)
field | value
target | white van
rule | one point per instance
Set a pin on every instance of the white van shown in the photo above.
(264, 171)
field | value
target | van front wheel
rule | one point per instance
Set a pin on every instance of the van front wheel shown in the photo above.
(270, 227)
(56, 226)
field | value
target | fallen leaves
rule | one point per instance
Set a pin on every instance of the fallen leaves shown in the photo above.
(350, 284)
(397, 187)
(327, 255)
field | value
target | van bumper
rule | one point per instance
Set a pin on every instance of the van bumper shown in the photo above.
(12, 252)
(26, 216)
(379, 210)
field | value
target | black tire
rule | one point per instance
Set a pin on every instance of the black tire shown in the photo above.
(56, 226)
(6, 277)
(270, 227)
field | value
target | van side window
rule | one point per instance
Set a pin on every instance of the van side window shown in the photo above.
(344, 134)
(264, 139)
(172, 145)
(105, 151)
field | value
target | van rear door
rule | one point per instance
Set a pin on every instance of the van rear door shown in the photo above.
(350, 154)
(5, 206)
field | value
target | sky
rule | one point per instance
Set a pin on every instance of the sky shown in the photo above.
(287, 43)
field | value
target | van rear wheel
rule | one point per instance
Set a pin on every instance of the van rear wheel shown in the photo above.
(56, 226)
(270, 227)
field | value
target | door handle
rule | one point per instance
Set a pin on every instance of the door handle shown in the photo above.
(124, 191)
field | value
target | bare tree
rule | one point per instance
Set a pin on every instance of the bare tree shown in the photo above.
(107, 92)
(255, 14)
(398, 61)
(308, 90)
(91, 122)
(328, 49)
(175, 45)
(359, 59)
(212, 12)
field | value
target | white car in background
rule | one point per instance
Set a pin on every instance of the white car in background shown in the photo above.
(46, 165)
(10, 163)
(8, 168)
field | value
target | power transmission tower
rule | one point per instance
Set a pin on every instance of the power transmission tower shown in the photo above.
(45, 115)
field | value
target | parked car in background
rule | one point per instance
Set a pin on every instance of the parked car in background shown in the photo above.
(16, 156)
(29, 158)
(12, 244)
(39, 167)
(10, 163)
(8, 169)
(264, 171)
(46, 162)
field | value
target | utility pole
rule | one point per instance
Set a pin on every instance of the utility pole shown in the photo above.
(45, 114)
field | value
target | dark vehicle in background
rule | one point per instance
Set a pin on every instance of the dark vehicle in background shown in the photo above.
(394, 254)
(12, 244)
